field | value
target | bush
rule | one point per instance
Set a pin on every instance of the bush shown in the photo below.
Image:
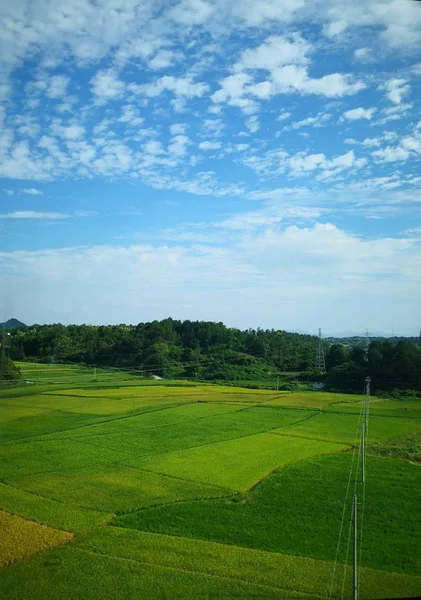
(8, 370)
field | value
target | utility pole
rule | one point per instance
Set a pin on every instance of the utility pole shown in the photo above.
(3, 349)
(277, 383)
(94, 373)
(354, 555)
(363, 453)
(367, 402)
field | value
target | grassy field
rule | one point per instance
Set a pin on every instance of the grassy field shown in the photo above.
(199, 491)
(15, 533)
(57, 372)
(298, 510)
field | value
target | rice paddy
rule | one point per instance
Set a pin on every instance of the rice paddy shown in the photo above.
(199, 491)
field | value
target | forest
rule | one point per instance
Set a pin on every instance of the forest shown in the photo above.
(212, 351)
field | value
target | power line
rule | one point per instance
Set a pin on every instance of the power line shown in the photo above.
(357, 472)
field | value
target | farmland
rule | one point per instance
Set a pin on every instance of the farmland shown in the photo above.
(188, 490)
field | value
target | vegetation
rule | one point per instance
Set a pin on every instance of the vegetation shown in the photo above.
(241, 463)
(213, 491)
(44, 510)
(210, 352)
(20, 538)
(339, 427)
(63, 573)
(290, 573)
(298, 511)
(196, 349)
(390, 366)
(407, 447)
(8, 370)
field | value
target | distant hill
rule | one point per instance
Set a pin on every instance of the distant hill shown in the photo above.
(13, 324)
(360, 340)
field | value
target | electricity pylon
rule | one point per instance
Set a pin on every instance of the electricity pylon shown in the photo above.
(320, 354)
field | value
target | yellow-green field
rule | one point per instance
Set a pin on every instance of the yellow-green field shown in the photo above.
(21, 538)
(198, 491)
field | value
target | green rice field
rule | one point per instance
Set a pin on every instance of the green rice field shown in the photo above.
(128, 488)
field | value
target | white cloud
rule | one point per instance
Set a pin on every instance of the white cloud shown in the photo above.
(390, 154)
(31, 191)
(291, 79)
(106, 86)
(283, 115)
(130, 115)
(178, 145)
(232, 92)
(8, 192)
(309, 162)
(191, 12)
(286, 60)
(153, 147)
(393, 113)
(335, 28)
(140, 47)
(319, 274)
(320, 120)
(210, 145)
(182, 86)
(363, 54)
(275, 52)
(164, 59)
(31, 214)
(73, 131)
(57, 86)
(415, 231)
(412, 143)
(359, 113)
(213, 127)
(253, 124)
(396, 89)
(178, 128)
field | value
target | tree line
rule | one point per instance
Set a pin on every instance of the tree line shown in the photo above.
(212, 351)
(391, 366)
(169, 348)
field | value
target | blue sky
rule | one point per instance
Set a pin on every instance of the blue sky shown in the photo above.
(256, 163)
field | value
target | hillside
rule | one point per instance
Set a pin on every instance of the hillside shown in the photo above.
(13, 324)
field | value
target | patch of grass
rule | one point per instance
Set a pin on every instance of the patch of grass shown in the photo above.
(205, 431)
(406, 407)
(292, 573)
(342, 427)
(213, 393)
(316, 400)
(238, 464)
(20, 538)
(159, 418)
(114, 489)
(53, 456)
(407, 447)
(10, 412)
(48, 512)
(91, 405)
(298, 511)
(68, 572)
(49, 372)
(44, 423)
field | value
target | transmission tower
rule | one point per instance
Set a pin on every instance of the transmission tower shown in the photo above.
(320, 354)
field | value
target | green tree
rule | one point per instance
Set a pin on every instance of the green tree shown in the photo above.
(8, 370)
